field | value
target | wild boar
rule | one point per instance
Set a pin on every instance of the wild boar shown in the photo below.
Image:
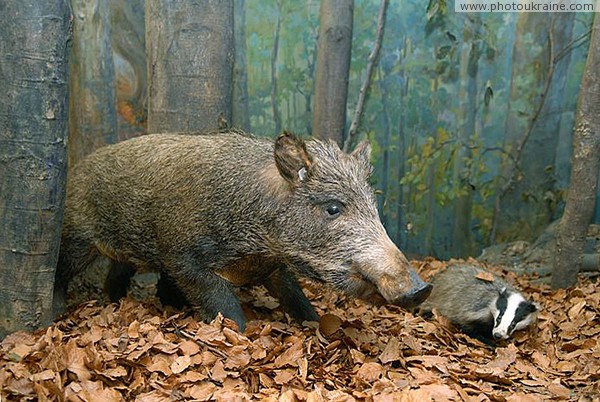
(226, 209)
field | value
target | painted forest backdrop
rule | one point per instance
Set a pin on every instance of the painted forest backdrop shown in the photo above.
(470, 115)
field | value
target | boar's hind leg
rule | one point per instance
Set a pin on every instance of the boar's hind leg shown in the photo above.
(208, 293)
(76, 255)
(118, 280)
(283, 285)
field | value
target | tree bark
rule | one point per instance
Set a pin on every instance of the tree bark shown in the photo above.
(190, 55)
(241, 116)
(332, 72)
(92, 100)
(585, 169)
(33, 156)
(373, 58)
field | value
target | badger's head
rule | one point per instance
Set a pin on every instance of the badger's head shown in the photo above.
(511, 313)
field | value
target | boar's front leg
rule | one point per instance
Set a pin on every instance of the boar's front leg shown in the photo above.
(283, 285)
(169, 293)
(207, 292)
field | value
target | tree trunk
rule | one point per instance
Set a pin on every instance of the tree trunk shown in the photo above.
(387, 134)
(520, 208)
(33, 156)
(308, 94)
(92, 100)
(469, 65)
(430, 219)
(402, 207)
(579, 208)
(364, 88)
(274, 54)
(333, 69)
(241, 116)
(190, 55)
(549, 130)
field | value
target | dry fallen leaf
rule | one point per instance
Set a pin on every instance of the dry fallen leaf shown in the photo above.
(329, 324)
(485, 276)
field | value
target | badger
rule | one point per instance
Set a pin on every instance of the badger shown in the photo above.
(485, 310)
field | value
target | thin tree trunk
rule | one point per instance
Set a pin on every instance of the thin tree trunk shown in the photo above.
(430, 221)
(241, 116)
(274, 55)
(385, 174)
(402, 209)
(461, 233)
(333, 69)
(532, 72)
(190, 54)
(579, 208)
(549, 132)
(307, 94)
(33, 156)
(373, 58)
(92, 101)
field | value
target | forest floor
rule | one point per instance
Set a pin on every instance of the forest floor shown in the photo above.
(137, 350)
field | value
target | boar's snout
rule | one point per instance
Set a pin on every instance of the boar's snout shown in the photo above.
(418, 292)
(399, 283)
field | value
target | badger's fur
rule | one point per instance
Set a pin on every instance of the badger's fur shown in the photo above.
(484, 310)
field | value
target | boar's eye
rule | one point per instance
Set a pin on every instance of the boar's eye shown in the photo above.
(333, 209)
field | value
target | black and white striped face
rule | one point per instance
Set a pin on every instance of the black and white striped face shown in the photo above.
(511, 313)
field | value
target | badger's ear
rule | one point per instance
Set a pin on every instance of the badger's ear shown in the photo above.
(291, 158)
(362, 152)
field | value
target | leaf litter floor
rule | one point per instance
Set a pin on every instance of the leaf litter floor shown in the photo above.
(138, 351)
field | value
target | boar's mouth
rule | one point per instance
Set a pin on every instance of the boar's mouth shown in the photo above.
(358, 285)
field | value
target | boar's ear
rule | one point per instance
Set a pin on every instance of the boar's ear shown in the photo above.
(291, 157)
(362, 152)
